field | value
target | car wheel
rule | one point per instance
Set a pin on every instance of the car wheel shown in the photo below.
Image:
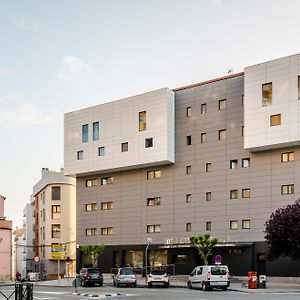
(134, 285)
(189, 284)
(204, 287)
(117, 284)
(167, 284)
(101, 284)
(149, 285)
(224, 288)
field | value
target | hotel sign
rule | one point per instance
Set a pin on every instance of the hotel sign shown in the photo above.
(176, 242)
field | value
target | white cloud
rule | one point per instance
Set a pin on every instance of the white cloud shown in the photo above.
(26, 114)
(5, 72)
(23, 24)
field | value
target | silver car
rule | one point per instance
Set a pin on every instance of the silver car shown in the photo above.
(124, 276)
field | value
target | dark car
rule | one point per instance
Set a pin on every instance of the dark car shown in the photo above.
(90, 276)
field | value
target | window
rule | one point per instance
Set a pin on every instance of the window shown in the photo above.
(233, 164)
(188, 227)
(287, 189)
(246, 224)
(287, 156)
(222, 104)
(298, 87)
(44, 214)
(245, 193)
(242, 130)
(188, 170)
(234, 194)
(245, 162)
(208, 226)
(153, 228)
(275, 120)
(153, 201)
(106, 205)
(107, 180)
(124, 147)
(44, 233)
(95, 131)
(267, 94)
(242, 100)
(149, 143)
(55, 191)
(55, 229)
(90, 231)
(80, 155)
(142, 120)
(208, 196)
(222, 134)
(106, 230)
(55, 212)
(91, 182)
(188, 198)
(189, 140)
(85, 133)
(189, 111)
(101, 151)
(208, 167)
(91, 207)
(203, 137)
(233, 225)
(154, 174)
(203, 108)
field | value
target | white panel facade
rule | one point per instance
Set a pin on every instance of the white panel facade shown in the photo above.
(258, 133)
(119, 123)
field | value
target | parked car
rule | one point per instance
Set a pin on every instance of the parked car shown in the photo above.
(158, 278)
(208, 277)
(90, 276)
(124, 276)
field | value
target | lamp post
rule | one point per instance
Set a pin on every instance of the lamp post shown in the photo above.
(149, 240)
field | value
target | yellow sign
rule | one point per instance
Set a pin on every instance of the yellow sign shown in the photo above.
(58, 252)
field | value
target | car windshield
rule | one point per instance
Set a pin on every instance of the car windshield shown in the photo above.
(218, 270)
(157, 272)
(126, 272)
(93, 271)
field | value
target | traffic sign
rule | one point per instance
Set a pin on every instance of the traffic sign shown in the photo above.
(36, 259)
(218, 259)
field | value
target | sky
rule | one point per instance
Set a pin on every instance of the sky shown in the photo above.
(57, 56)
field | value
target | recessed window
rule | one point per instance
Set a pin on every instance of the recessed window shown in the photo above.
(124, 147)
(154, 174)
(153, 228)
(80, 155)
(142, 120)
(222, 134)
(91, 207)
(91, 182)
(267, 94)
(299, 87)
(101, 151)
(242, 100)
(245, 162)
(203, 137)
(203, 108)
(234, 194)
(107, 205)
(188, 227)
(55, 212)
(242, 130)
(189, 140)
(233, 164)
(233, 225)
(275, 120)
(208, 196)
(208, 226)
(85, 133)
(107, 180)
(245, 193)
(149, 143)
(107, 230)
(55, 191)
(246, 224)
(90, 231)
(287, 156)
(188, 170)
(95, 131)
(55, 230)
(208, 167)
(153, 201)
(188, 198)
(287, 189)
(189, 111)
(222, 104)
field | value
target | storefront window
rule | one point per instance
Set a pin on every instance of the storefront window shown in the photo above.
(158, 258)
(134, 259)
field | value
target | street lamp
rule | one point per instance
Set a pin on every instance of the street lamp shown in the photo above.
(149, 241)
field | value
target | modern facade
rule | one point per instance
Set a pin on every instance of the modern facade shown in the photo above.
(5, 244)
(19, 251)
(215, 157)
(53, 202)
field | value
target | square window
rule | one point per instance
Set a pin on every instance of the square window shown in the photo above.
(85, 133)
(287, 156)
(91, 207)
(208, 196)
(246, 224)
(222, 104)
(189, 140)
(233, 225)
(208, 226)
(203, 108)
(55, 190)
(189, 111)
(90, 231)
(222, 134)
(275, 120)
(55, 212)
(287, 189)
(208, 167)
(188, 170)
(203, 137)
(80, 155)
(153, 228)
(142, 120)
(188, 227)
(55, 230)
(245, 162)
(234, 194)
(107, 205)
(149, 143)
(124, 147)
(267, 94)
(95, 131)
(91, 182)
(107, 180)
(153, 201)
(154, 174)
(101, 151)
(233, 164)
(245, 193)
(188, 198)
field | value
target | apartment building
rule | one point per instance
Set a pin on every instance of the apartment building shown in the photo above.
(19, 251)
(215, 157)
(53, 202)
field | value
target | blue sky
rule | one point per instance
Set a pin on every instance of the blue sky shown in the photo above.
(61, 55)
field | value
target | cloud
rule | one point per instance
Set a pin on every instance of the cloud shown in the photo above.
(73, 68)
(5, 72)
(217, 2)
(27, 25)
(26, 114)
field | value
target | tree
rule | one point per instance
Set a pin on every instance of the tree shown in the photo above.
(93, 252)
(204, 244)
(283, 232)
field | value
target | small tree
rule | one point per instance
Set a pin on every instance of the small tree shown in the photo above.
(93, 252)
(204, 244)
(283, 232)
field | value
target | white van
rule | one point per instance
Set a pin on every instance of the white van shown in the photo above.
(208, 277)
